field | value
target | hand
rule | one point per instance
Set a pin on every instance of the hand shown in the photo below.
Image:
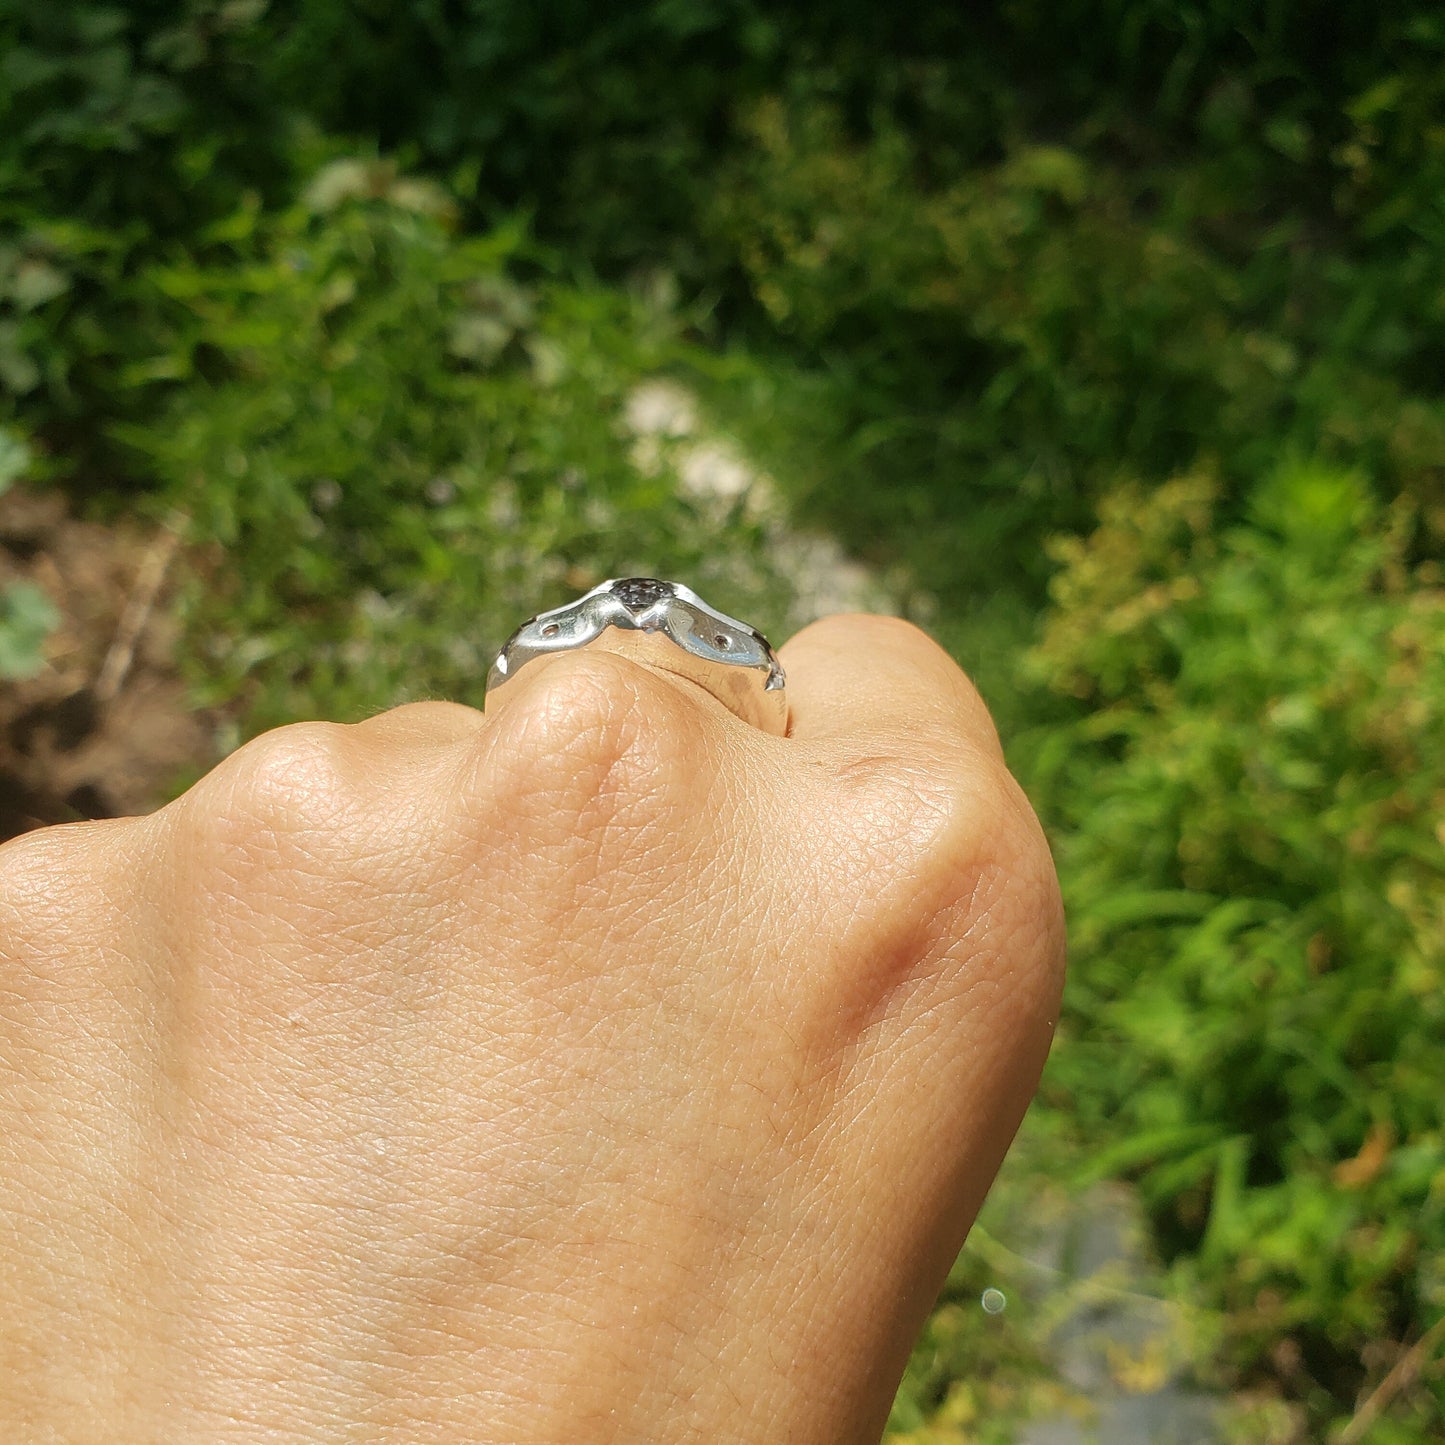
(603, 1069)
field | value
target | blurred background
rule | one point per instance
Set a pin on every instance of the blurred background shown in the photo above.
(1106, 341)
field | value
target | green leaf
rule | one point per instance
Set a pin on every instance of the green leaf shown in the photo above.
(27, 618)
(1146, 1148)
(35, 282)
(18, 371)
(15, 458)
(1222, 1234)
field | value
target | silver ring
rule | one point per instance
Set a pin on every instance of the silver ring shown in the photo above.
(667, 625)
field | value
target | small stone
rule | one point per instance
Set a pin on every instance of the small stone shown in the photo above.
(637, 594)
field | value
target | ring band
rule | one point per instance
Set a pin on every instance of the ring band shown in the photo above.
(664, 624)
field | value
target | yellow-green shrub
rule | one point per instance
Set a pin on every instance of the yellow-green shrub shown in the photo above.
(1248, 821)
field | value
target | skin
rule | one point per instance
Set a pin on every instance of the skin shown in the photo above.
(602, 1069)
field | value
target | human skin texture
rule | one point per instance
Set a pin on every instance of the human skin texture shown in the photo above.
(602, 1069)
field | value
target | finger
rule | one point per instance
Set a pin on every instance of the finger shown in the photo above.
(420, 724)
(858, 674)
(403, 747)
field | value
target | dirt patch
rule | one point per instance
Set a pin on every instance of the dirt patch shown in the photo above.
(106, 729)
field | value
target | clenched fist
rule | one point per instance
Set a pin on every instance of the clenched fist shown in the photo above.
(601, 1070)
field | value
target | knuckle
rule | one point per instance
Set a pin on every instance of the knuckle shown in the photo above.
(924, 823)
(591, 731)
(55, 887)
(41, 870)
(954, 849)
(431, 722)
(964, 847)
(931, 873)
(286, 782)
(32, 869)
(573, 707)
(1001, 891)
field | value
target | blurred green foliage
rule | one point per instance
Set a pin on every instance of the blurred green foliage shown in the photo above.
(1248, 821)
(405, 450)
(27, 618)
(125, 130)
(364, 289)
(27, 613)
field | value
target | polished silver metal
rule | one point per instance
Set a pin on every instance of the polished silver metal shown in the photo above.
(667, 625)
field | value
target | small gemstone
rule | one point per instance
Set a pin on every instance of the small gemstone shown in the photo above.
(637, 594)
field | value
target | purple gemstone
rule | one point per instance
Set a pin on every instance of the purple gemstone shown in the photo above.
(637, 594)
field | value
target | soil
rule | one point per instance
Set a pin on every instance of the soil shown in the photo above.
(107, 728)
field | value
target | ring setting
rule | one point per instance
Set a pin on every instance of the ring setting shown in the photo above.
(666, 625)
